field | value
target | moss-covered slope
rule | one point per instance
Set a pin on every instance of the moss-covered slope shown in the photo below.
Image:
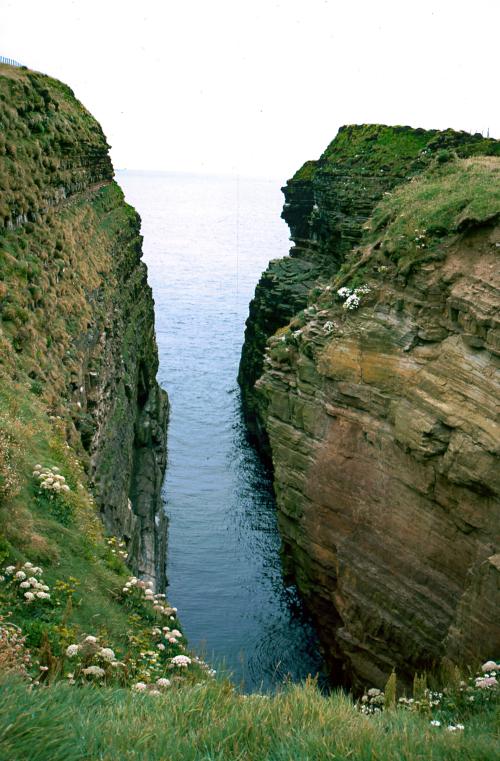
(76, 312)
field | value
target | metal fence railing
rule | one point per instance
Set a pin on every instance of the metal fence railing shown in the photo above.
(10, 61)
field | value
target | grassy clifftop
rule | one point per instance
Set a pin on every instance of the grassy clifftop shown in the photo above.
(50, 146)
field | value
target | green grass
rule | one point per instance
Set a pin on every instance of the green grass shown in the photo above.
(446, 199)
(84, 575)
(46, 139)
(210, 722)
(400, 150)
(306, 171)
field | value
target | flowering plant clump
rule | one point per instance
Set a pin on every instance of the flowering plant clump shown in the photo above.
(444, 708)
(90, 662)
(155, 688)
(15, 658)
(372, 702)
(50, 480)
(420, 238)
(137, 592)
(53, 492)
(154, 649)
(117, 547)
(27, 583)
(182, 661)
(352, 296)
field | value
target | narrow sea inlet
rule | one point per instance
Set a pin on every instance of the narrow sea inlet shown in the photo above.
(206, 241)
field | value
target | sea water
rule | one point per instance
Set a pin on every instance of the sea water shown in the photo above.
(206, 241)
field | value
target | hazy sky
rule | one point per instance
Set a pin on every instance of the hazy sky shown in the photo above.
(257, 87)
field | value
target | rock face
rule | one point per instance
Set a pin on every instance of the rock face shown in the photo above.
(382, 419)
(76, 309)
(327, 202)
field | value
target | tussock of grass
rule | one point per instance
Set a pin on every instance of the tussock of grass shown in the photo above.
(210, 721)
(442, 201)
(50, 146)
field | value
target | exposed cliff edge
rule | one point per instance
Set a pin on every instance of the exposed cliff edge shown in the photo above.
(76, 311)
(380, 405)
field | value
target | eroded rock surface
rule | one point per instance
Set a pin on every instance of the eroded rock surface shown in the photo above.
(327, 202)
(384, 432)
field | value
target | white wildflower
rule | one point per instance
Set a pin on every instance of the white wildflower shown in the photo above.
(91, 639)
(181, 660)
(486, 681)
(162, 682)
(352, 302)
(488, 666)
(107, 654)
(94, 671)
(344, 292)
(435, 723)
(29, 596)
(20, 576)
(139, 686)
(72, 650)
(24, 585)
(10, 569)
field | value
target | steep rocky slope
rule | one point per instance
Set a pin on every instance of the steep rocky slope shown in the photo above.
(381, 406)
(76, 311)
(327, 202)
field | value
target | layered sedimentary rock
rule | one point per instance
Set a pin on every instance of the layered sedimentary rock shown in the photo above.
(76, 309)
(327, 202)
(380, 406)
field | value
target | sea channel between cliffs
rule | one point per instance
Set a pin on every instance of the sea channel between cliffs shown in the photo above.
(206, 240)
(369, 375)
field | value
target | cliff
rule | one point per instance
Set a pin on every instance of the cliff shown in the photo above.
(380, 405)
(76, 311)
(327, 202)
